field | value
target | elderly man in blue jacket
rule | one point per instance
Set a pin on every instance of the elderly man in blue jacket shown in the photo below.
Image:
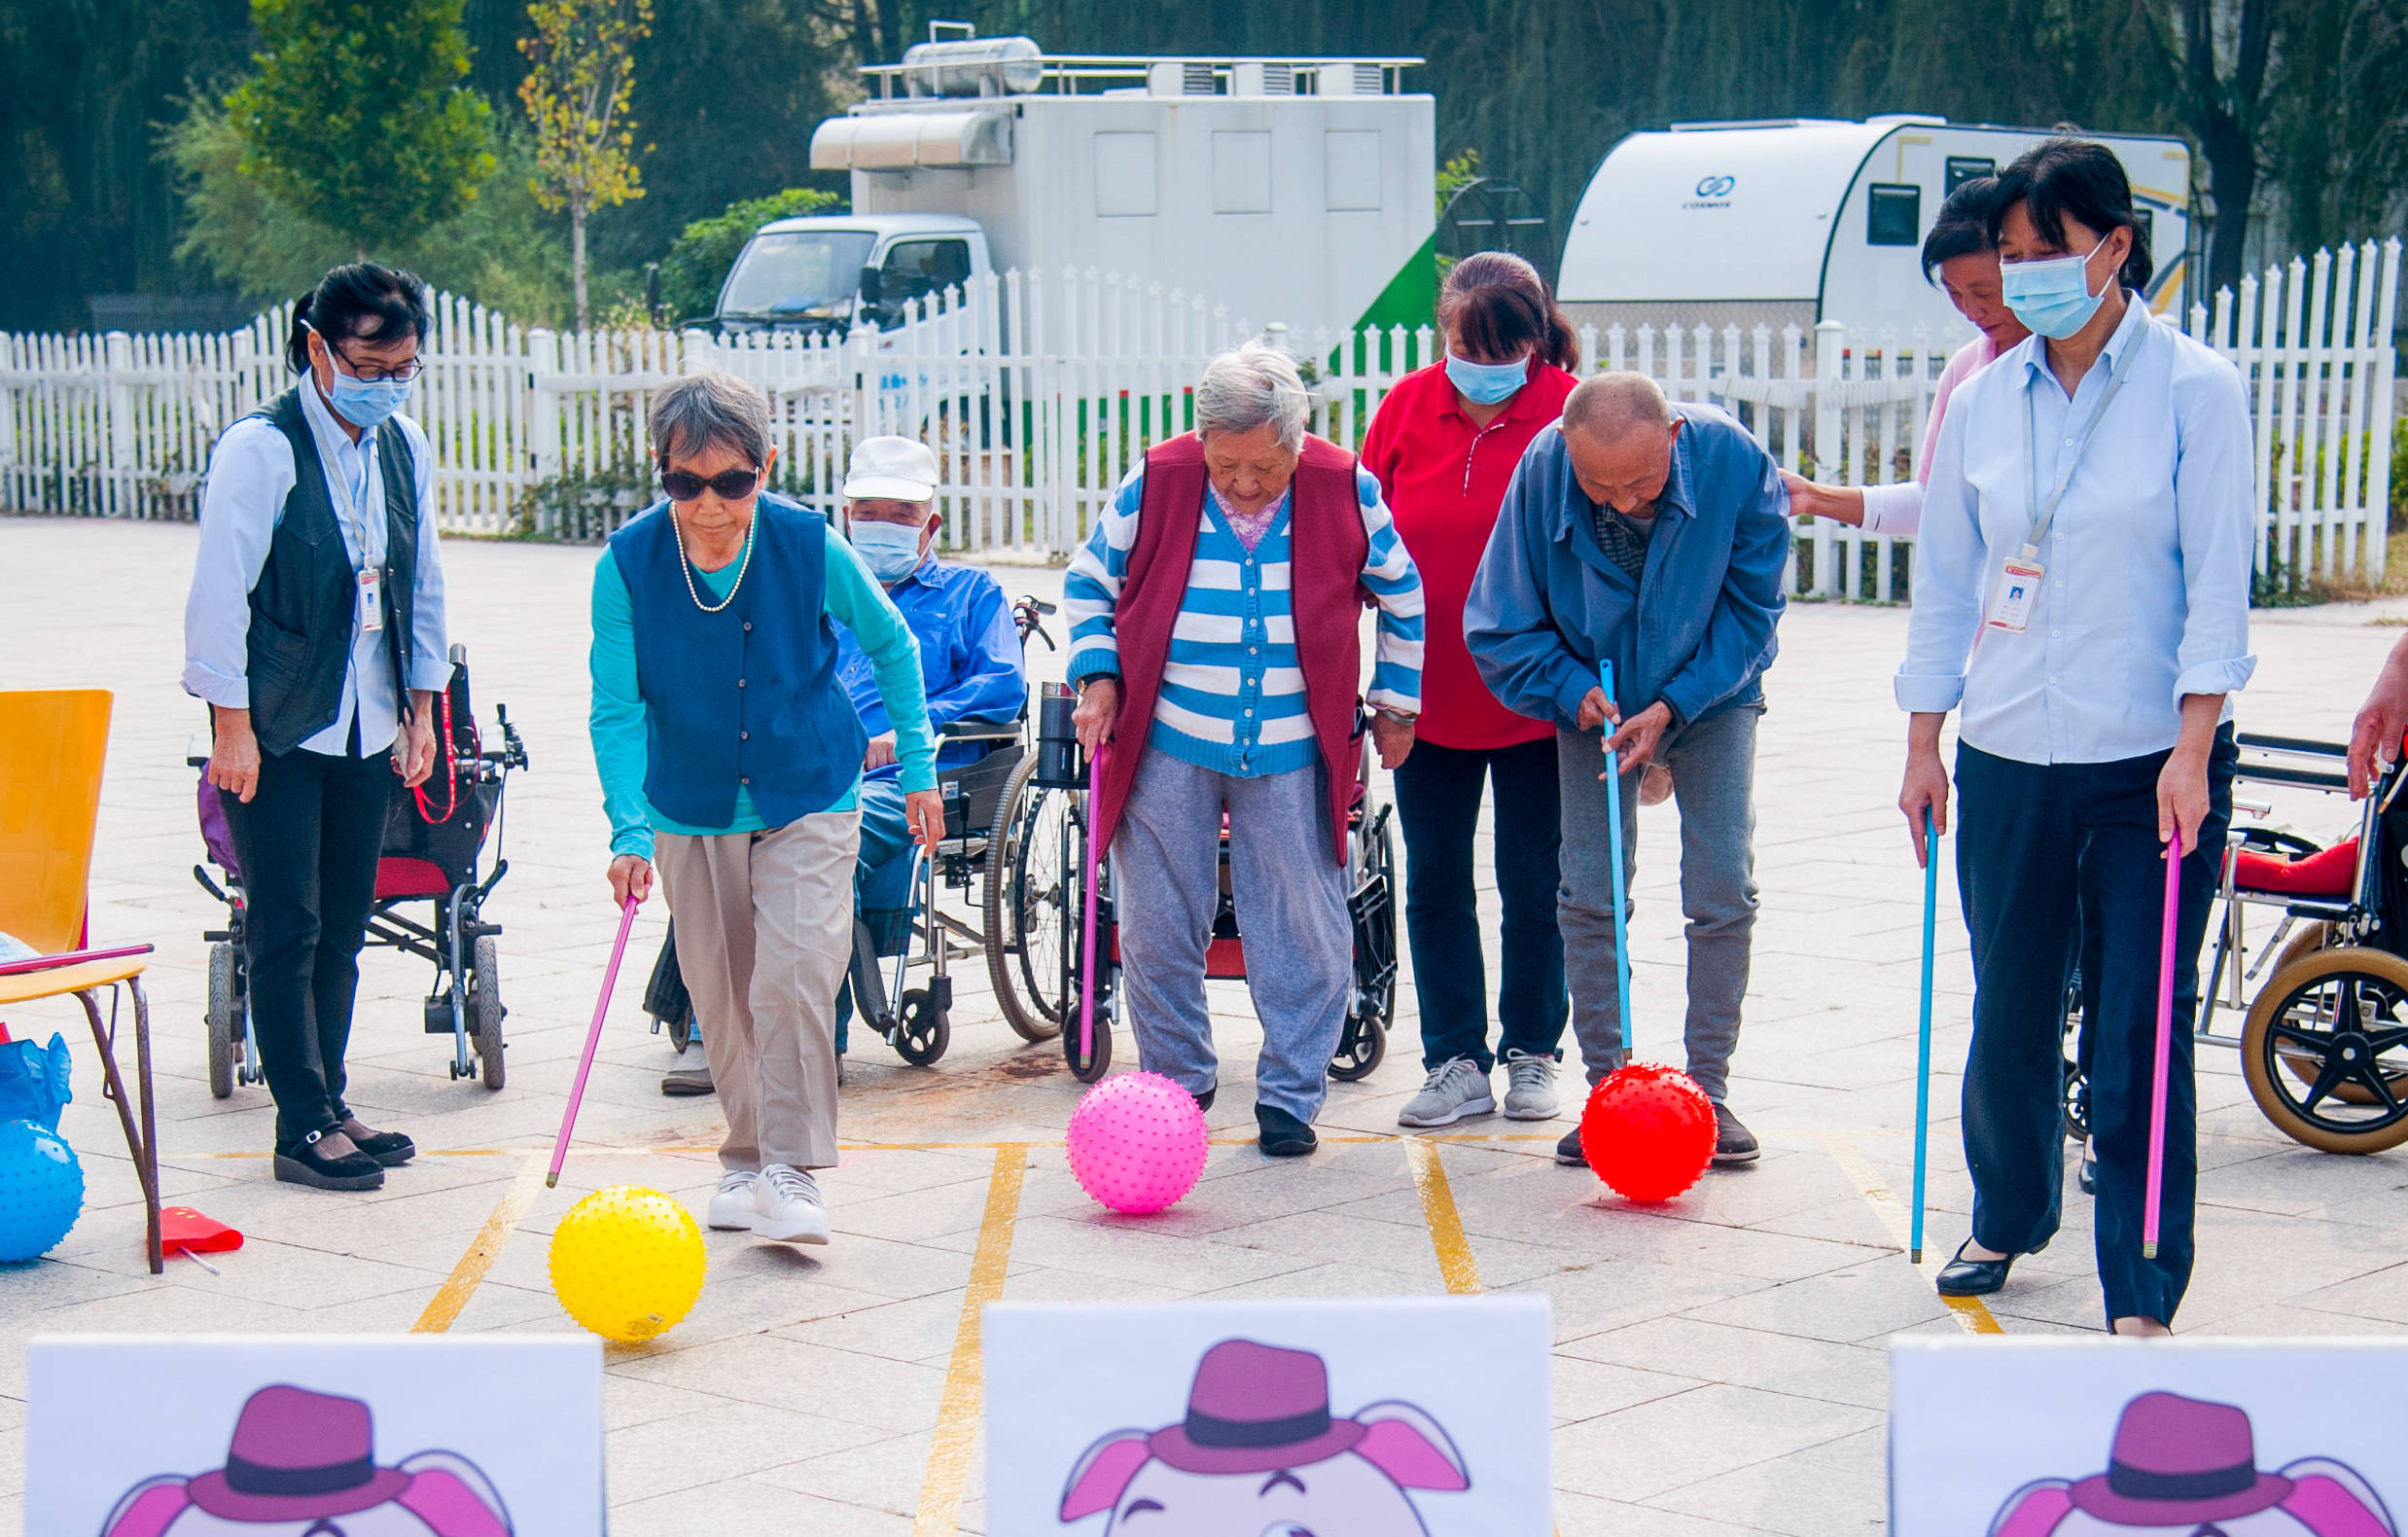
(1652, 536)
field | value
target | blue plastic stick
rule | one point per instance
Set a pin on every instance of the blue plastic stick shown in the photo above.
(1923, 1035)
(1614, 835)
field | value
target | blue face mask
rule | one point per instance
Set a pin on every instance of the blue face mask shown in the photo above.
(1486, 383)
(890, 550)
(367, 403)
(2052, 297)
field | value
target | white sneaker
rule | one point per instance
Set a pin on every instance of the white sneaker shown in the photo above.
(1455, 1089)
(787, 1206)
(731, 1204)
(1529, 1087)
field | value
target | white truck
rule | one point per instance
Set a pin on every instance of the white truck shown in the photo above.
(1298, 191)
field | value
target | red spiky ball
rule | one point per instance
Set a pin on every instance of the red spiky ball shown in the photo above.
(1649, 1132)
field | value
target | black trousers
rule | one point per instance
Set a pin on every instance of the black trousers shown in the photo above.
(308, 843)
(2032, 841)
(1438, 805)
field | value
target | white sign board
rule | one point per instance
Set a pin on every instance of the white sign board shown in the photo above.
(2293, 1438)
(387, 1436)
(1338, 1417)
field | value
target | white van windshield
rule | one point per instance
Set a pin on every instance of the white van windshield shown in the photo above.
(797, 273)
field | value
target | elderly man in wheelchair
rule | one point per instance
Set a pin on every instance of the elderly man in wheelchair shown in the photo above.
(970, 661)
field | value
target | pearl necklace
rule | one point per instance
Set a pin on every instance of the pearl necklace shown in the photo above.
(687, 566)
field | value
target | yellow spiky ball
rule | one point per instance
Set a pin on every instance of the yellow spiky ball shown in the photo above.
(627, 1263)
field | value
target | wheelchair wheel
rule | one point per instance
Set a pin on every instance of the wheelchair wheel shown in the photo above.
(1028, 876)
(922, 1029)
(224, 1020)
(2332, 1020)
(1095, 1066)
(1362, 1047)
(485, 1009)
(682, 1032)
(1371, 903)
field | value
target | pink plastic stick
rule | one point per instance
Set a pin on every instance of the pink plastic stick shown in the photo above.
(1087, 953)
(2165, 1050)
(593, 1038)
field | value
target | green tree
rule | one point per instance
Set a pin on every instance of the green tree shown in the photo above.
(357, 118)
(581, 75)
(697, 267)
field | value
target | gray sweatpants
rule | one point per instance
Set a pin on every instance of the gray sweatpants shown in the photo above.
(1291, 895)
(765, 927)
(1713, 764)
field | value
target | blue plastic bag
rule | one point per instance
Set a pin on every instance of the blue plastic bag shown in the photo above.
(33, 1081)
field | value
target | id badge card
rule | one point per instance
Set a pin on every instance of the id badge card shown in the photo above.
(2019, 588)
(371, 601)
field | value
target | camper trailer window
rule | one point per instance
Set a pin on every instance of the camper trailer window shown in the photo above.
(807, 273)
(1895, 214)
(918, 268)
(1962, 168)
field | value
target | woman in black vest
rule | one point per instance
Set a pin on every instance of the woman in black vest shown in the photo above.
(315, 632)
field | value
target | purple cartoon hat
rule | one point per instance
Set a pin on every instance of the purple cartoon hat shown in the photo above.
(1255, 1409)
(2179, 1461)
(297, 1455)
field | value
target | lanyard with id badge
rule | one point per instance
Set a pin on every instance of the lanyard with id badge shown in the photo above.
(370, 576)
(2021, 574)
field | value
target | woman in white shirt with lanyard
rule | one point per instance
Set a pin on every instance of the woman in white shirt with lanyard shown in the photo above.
(2082, 591)
(314, 629)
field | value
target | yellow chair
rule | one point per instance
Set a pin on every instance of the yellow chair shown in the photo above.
(51, 747)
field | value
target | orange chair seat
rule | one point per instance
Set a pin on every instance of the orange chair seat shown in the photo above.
(26, 986)
(2326, 872)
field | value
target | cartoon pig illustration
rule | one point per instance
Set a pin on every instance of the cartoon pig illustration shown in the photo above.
(1259, 1455)
(2182, 1467)
(303, 1464)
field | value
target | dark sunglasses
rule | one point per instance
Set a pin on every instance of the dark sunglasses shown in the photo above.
(733, 486)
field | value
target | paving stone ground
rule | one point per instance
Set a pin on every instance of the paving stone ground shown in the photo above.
(1718, 1364)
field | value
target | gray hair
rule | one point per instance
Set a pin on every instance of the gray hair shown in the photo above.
(701, 409)
(1611, 405)
(1255, 386)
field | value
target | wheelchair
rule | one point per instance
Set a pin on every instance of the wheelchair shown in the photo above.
(435, 848)
(1044, 852)
(2323, 1044)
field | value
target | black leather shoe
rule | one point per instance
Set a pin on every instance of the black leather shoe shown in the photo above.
(1204, 1100)
(1734, 1142)
(1963, 1277)
(2087, 1176)
(302, 1164)
(1283, 1134)
(1568, 1150)
(390, 1149)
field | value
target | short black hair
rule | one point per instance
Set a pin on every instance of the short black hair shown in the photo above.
(1962, 228)
(2077, 179)
(358, 298)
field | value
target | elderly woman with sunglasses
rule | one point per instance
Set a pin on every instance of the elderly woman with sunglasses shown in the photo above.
(729, 752)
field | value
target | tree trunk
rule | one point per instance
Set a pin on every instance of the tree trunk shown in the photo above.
(577, 259)
(2232, 179)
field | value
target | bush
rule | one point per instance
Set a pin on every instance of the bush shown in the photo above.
(697, 267)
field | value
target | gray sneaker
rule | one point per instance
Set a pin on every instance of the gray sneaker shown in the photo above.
(1455, 1089)
(1529, 1087)
(691, 1076)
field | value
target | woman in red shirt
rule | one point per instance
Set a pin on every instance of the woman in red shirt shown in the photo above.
(1444, 446)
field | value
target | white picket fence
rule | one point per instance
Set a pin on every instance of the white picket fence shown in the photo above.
(1040, 391)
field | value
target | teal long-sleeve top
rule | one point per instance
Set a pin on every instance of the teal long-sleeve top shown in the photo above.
(616, 721)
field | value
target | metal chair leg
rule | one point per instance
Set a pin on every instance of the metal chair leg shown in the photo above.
(139, 1143)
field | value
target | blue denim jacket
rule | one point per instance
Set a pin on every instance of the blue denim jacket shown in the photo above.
(1695, 632)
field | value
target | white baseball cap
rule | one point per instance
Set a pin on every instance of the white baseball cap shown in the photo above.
(891, 470)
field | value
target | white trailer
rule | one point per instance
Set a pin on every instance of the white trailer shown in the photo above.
(1289, 191)
(1794, 221)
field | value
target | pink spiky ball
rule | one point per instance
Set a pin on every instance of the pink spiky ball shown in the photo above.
(1137, 1142)
(1649, 1132)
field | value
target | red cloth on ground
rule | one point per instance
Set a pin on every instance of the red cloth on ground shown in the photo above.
(1443, 479)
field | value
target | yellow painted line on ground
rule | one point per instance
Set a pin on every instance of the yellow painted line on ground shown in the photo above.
(1972, 1315)
(1456, 1266)
(965, 1378)
(486, 1248)
(684, 1148)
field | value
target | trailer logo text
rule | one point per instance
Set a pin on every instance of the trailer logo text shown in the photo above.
(1714, 192)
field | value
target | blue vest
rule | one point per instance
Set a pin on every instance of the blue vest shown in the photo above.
(747, 697)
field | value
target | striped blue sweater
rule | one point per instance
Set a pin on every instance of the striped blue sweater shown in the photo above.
(1232, 697)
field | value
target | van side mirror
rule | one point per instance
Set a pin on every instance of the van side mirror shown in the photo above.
(869, 285)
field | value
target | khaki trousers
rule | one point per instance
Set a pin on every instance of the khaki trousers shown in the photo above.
(765, 927)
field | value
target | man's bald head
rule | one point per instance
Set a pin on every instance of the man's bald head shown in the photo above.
(1619, 433)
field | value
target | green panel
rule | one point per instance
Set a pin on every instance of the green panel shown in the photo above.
(1411, 298)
